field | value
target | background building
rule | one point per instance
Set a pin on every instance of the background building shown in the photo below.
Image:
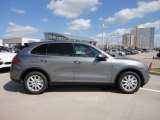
(129, 41)
(66, 37)
(10, 42)
(144, 37)
(1, 42)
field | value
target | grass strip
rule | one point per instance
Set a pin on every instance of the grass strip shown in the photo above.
(155, 70)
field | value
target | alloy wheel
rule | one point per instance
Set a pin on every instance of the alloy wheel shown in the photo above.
(35, 83)
(129, 83)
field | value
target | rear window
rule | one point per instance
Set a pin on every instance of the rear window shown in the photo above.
(40, 50)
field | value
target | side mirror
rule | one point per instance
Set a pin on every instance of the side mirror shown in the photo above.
(101, 57)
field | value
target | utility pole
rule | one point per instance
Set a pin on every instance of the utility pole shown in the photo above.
(102, 27)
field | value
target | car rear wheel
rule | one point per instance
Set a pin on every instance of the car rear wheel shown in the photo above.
(35, 82)
(129, 82)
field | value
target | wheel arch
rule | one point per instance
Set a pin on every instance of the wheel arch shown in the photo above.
(131, 70)
(35, 69)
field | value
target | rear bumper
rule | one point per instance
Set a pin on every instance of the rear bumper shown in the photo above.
(15, 80)
(15, 75)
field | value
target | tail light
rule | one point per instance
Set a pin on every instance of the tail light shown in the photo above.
(16, 60)
(150, 66)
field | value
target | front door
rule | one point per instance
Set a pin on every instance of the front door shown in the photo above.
(87, 68)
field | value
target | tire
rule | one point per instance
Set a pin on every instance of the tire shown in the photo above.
(129, 82)
(158, 54)
(120, 54)
(35, 82)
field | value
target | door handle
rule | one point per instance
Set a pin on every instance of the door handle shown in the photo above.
(77, 62)
(43, 61)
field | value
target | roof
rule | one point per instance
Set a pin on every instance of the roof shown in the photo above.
(48, 42)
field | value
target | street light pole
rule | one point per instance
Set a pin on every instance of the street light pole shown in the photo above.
(102, 27)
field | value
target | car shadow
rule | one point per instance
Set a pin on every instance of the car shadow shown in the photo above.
(82, 88)
(16, 87)
(4, 70)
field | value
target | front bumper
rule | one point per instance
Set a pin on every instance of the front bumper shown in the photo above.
(146, 77)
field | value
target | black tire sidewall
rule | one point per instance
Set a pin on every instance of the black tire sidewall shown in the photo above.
(120, 54)
(120, 81)
(44, 80)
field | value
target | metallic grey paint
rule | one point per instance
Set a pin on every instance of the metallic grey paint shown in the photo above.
(76, 69)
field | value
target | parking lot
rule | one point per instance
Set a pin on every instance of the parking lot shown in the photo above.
(81, 102)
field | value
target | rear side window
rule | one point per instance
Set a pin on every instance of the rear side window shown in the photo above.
(40, 50)
(60, 49)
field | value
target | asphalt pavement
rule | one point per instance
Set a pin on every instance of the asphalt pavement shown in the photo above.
(79, 102)
(147, 58)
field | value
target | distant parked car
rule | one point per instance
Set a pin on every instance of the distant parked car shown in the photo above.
(128, 52)
(49, 63)
(158, 54)
(116, 52)
(138, 50)
(131, 52)
(144, 50)
(6, 59)
(134, 51)
(108, 52)
(4, 49)
(17, 48)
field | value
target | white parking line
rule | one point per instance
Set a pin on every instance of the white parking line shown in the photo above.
(151, 90)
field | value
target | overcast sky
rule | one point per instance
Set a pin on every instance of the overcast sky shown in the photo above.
(30, 18)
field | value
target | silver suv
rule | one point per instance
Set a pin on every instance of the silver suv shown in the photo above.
(49, 63)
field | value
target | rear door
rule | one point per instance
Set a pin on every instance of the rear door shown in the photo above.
(60, 61)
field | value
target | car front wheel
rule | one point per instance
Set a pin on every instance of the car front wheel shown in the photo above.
(35, 82)
(129, 82)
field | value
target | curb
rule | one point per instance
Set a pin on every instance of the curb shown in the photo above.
(154, 73)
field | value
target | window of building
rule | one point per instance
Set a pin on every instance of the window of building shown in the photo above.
(82, 50)
(54, 37)
(40, 50)
(60, 49)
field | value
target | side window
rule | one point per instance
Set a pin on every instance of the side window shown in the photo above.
(85, 51)
(60, 49)
(40, 50)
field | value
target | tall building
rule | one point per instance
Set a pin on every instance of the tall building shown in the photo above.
(66, 37)
(144, 37)
(128, 41)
